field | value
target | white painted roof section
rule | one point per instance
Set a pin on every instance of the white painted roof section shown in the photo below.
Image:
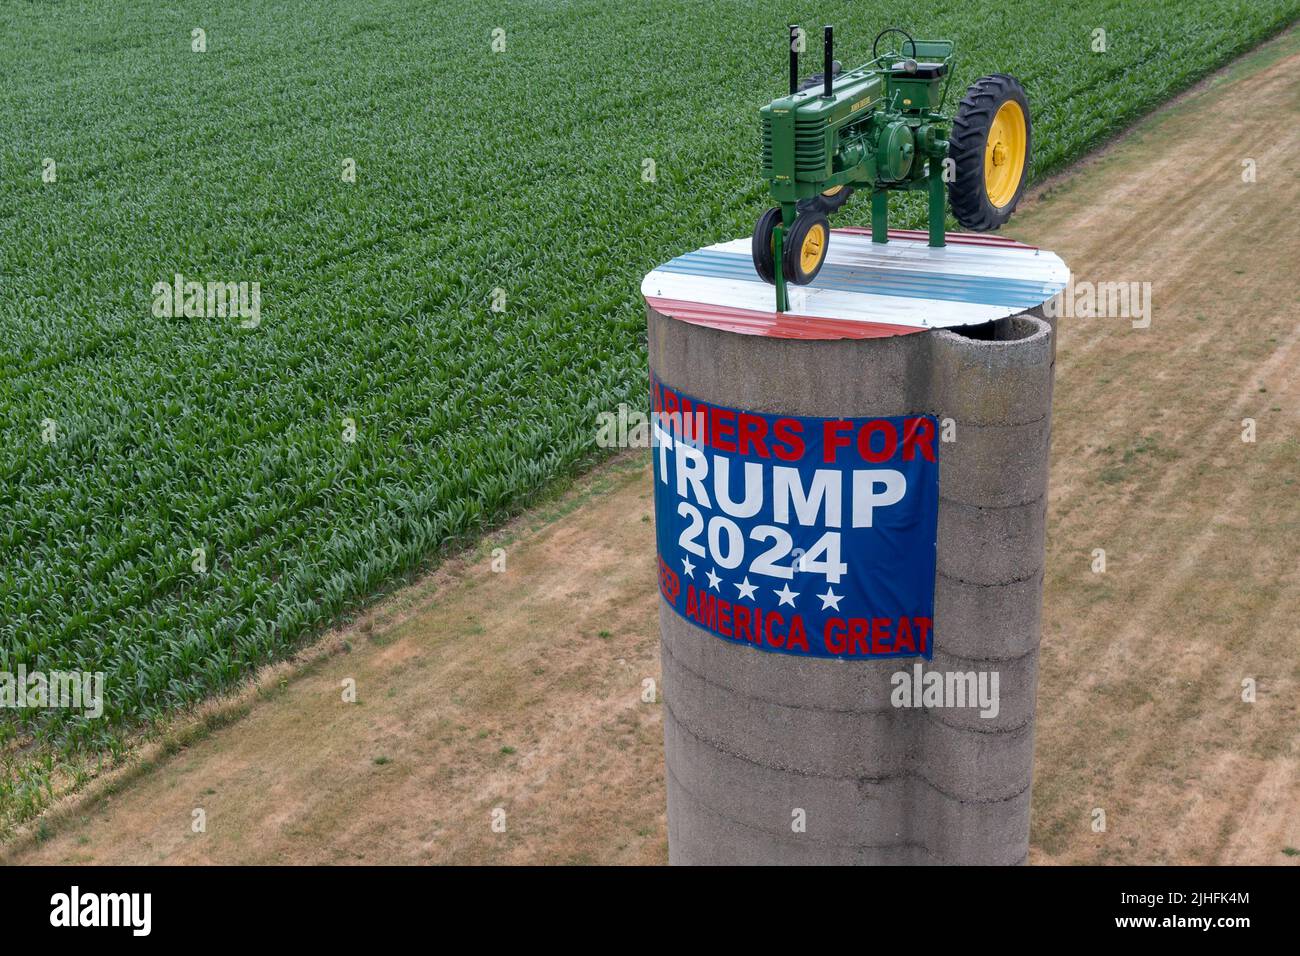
(970, 280)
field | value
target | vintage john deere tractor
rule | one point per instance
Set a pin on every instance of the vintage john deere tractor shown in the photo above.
(882, 127)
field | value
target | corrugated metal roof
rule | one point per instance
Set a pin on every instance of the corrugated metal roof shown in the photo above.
(864, 289)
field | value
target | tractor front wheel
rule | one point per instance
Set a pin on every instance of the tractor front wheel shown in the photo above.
(805, 246)
(989, 147)
(761, 247)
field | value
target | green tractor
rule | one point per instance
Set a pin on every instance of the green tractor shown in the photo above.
(882, 127)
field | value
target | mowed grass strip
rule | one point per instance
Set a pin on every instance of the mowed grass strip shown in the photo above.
(519, 171)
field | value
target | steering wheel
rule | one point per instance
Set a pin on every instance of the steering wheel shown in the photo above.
(876, 43)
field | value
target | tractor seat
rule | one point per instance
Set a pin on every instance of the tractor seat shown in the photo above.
(924, 71)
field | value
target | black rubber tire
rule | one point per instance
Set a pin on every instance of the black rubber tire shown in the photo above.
(967, 193)
(761, 245)
(826, 204)
(794, 242)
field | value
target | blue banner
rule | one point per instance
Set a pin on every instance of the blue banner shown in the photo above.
(811, 536)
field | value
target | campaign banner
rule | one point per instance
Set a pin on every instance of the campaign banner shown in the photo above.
(793, 535)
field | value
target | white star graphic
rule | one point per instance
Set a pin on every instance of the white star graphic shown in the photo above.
(688, 567)
(786, 595)
(714, 580)
(831, 599)
(746, 589)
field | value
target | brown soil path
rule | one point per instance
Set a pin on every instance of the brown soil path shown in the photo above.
(522, 690)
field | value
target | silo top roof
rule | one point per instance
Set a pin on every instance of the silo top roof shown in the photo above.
(865, 289)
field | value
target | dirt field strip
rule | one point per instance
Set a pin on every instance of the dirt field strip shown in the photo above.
(522, 690)
(1140, 709)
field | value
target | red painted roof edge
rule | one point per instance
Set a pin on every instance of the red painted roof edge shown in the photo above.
(956, 238)
(777, 325)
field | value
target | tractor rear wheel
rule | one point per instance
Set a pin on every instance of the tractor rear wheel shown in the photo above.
(989, 146)
(761, 247)
(805, 247)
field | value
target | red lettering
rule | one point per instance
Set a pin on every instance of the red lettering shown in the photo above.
(790, 432)
(924, 623)
(880, 635)
(904, 641)
(858, 636)
(709, 607)
(723, 425)
(693, 421)
(798, 636)
(918, 433)
(742, 622)
(669, 584)
(864, 441)
(835, 634)
(752, 430)
(832, 441)
(724, 618)
(773, 637)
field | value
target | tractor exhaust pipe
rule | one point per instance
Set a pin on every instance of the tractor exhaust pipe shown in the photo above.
(794, 58)
(828, 61)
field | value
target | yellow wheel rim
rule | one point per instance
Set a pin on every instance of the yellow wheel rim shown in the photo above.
(834, 190)
(1004, 154)
(814, 247)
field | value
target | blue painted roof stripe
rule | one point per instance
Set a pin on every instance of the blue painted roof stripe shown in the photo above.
(981, 290)
(732, 260)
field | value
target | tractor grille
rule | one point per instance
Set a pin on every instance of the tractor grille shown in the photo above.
(809, 146)
(767, 145)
